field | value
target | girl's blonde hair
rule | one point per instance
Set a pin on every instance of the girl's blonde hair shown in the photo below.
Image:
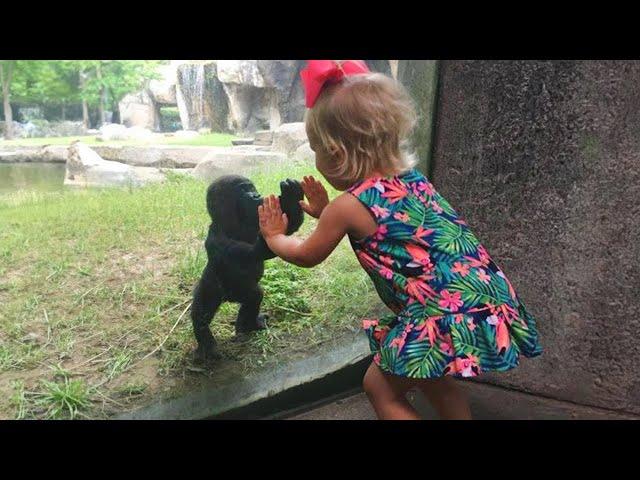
(364, 122)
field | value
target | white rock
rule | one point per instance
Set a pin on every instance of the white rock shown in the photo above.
(87, 169)
(304, 153)
(112, 131)
(242, 72)
(233, 160)
(288, 137)
(163, 89)
(139, 133)
(139, 110)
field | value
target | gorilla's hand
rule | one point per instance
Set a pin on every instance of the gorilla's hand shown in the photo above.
(290, 195)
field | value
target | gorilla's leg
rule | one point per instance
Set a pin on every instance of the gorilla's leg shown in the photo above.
(206, 300)
(249, 317)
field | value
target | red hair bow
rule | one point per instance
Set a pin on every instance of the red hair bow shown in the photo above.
(319, 72)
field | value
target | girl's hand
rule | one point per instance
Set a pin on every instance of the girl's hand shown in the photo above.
(272, 220)
(317, 197)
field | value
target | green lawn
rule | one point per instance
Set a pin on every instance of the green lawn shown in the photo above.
(210, 139)
(94, 287)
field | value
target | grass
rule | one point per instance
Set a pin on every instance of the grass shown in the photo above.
(95, 288)
(209, 139)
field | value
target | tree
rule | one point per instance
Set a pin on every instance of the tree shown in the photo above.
(6, 75)
(106, 82)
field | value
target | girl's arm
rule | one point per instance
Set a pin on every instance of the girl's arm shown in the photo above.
(334, 223)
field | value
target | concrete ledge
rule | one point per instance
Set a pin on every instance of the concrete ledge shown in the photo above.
(216, 399)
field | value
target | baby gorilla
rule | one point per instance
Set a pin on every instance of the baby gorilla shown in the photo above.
(236, 253)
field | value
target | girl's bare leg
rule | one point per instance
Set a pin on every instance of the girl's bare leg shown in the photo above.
(447, 398)
(387, 394)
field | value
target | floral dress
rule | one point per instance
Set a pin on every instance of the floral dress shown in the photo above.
(454, 311)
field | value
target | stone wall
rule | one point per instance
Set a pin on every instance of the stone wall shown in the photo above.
(543, 160)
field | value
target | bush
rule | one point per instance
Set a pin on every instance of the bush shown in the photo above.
(170, 119)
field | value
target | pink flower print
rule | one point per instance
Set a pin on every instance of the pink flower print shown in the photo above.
(366, 260)
(419, 290)
(492, 320)
(376, 358)
(399, 341)
(422, 232)
(459, 318)
(428, 328)
(446, 348)
(461, 222)
(482, 276)
(436, 208)
(373, 245)
(380, 334)
(386, 260)
(466, 367)
(451, 301)
(395, 191)
(378, 186)
(427, 188)
(380, 212)
(419, 256)
(483, 255)
(381, 232)
(408, 328)
(403, 217)
(386, 273)
(461, 268)
(474, 262)
(471, 324)
(366, 323)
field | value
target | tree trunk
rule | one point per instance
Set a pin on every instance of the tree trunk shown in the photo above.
(64, 117)
(5, 79)
(102, 93)
(85, 107)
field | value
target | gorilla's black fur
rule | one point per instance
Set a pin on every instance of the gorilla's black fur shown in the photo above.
(236, 253)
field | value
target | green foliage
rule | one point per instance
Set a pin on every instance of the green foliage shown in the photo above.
(68, 81)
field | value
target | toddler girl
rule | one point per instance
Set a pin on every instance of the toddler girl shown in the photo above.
(455, 313)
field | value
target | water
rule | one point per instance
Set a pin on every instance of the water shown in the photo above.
(192, 79)
(33, 177)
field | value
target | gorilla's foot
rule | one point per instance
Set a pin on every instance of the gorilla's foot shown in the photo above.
(206, 354)
(260, 323)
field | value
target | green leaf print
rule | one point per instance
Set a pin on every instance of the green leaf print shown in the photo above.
(451, 237)
(446, 207)
(421, 359)
(475, 292)
(489, 357)
(464, 341)
(415, 209)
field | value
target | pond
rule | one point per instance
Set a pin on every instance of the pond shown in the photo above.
(40, 177)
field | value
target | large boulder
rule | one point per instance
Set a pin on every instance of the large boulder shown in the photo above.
(87, 169)
(252, 105)
(139, 110)
(284, 77)
(163, 89)
(112, 131)
(288, 137)
(304, 153)
(67, 128)
(140, 134)
(240, 72)
(18, 129)
(190, 96)
(232, 160)
(216, 101)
